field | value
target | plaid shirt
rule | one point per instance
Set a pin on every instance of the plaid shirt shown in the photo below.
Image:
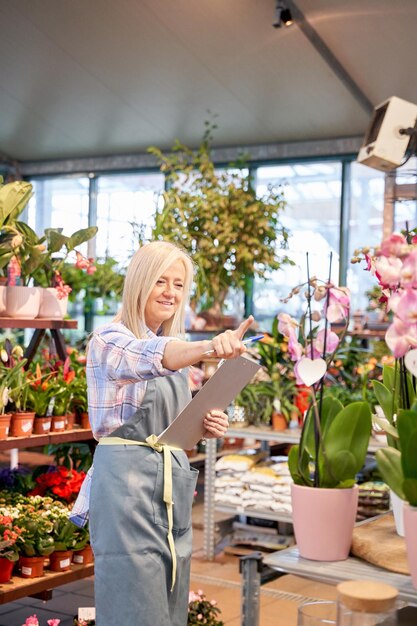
(118, 368)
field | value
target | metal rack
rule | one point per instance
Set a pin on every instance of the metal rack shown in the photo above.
(264, 434)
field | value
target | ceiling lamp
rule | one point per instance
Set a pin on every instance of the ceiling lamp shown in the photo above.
(283, 15)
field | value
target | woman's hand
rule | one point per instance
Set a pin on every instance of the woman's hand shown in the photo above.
(215, 423)
(229, 345)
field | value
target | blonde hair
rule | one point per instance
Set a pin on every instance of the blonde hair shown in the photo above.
(146, 266)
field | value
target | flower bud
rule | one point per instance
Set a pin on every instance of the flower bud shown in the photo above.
(4, 356)
(17, 241)
(320, 293)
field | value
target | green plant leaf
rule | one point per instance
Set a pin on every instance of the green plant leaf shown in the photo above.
(81, 236)
(410, 490)
(407, 430)
(389, 464)
(384, 398)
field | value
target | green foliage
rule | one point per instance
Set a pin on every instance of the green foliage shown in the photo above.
(202, 611)
(341, 451)
(398, 467)
(105, 283)
(216, 217)
(36, 538)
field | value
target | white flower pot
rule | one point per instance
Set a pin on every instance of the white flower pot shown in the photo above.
(3, 293)
(397, 506)
(51, 306)
(22, 302)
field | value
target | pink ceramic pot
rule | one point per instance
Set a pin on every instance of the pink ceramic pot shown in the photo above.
(323, 521)
(410, 528)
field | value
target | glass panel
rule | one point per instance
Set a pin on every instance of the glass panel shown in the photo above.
(126, 203)
(59, 203)
(405, 208)
(312, 215)
(365, 229)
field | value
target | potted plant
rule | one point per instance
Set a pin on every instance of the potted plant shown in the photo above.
(63, 535)
(212, 215)
(202, 611)
(82, 551)
(398, 467)
(34, 543)
(13, 391)
(334, 438)
(9, 534)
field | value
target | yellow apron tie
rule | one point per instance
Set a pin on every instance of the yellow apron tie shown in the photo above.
(152, 442)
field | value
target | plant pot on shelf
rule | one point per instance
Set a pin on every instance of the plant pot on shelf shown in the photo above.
(323, 521)
(21, 424)
(84, 420)
(410, 530)
(42, 425)
(58, 423)
(31, 566)
(278, 421)
(6, 569)
(60, 560)
(70, 421)
(5, 425)
(84, 556)
(23, 302)
(51, 307)
(237, 416)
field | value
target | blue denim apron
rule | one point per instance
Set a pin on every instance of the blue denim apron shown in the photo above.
(128, 518)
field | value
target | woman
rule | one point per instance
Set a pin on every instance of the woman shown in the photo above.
(137, 385)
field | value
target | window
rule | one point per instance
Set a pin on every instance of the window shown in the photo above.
(126, 203)
(312, 215)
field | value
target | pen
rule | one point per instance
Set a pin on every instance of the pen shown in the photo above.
(249, 340)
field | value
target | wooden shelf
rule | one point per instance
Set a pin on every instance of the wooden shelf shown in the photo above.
(14, 322)
(21, 587)
(33, 441)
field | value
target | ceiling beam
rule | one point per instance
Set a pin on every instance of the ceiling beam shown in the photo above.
(328, 56)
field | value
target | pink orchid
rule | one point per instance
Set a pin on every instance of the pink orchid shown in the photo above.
(409, 271)
(286, 324)
(332, 341)
(295, 349)
(31, 621)
(337, 308)
(53, 622)
(406, 308)
(400, 337)
(388, 271)
(394, 245)
(81, 262)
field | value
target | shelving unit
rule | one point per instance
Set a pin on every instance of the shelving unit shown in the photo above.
(261, 434)
(21, 587)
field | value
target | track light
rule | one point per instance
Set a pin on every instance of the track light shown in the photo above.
(283, 15)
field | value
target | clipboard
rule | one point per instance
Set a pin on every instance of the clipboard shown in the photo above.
(217, 393)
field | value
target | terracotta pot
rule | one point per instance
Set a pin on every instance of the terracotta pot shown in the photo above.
(5, 425)
(410, 528)
(21, 424)
(23, 302)
(42, 425)
(58, 423)
(323, 521)
(31, 566)
(60, 560)
(84, 421)
(84, 556)
(70, 421)
(51, 307)
(278, 421)
(6, 569)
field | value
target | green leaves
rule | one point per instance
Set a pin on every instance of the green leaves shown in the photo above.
(342, 447)
(212, 214)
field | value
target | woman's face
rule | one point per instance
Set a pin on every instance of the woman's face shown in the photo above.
(166, 296)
